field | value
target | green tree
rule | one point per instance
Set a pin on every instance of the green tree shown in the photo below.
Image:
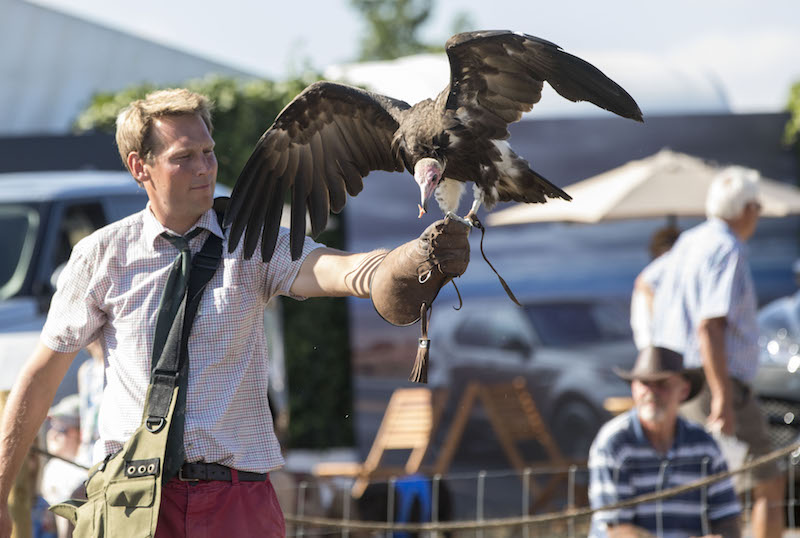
(243, 110)
(792, 131)
(316, 334)
(392, 28)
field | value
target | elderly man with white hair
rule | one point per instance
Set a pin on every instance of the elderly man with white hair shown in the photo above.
(705, 307)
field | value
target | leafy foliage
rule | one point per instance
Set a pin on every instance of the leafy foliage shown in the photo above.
(243, 110)
(792, 131)
(317, 338)
(316, 333)
(393, 28)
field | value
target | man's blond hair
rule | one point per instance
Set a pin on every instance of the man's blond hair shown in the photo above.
(134, 123)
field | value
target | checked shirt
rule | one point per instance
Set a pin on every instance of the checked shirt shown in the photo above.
(111, 288)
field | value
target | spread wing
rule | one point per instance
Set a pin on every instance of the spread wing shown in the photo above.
(319, 149)
(498, 75)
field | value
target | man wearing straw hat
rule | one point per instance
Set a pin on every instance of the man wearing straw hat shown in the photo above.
(650, 448)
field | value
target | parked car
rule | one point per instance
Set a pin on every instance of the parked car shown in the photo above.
(778, 380)
(564, 349)
(43, 215)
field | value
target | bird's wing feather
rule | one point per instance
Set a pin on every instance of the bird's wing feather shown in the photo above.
(499, 75)
(320, 147)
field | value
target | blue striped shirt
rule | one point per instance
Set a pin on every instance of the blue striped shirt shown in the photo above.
(623, 464)
(707, 275)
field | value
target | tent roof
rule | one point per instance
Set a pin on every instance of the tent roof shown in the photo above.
(659, 87)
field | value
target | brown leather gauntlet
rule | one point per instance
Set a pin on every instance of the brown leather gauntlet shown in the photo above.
(413, 273)
(408, 279)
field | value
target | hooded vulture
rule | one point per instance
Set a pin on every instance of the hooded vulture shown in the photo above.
(331, 136)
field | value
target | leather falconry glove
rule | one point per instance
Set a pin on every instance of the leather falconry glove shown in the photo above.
(406, 282)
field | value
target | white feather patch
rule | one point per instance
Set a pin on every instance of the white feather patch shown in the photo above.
(448, 194)
(477, 192)
(506, 161)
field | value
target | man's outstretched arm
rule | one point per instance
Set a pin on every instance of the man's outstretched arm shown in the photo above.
(24, 413)
(442, 249)
(327, 272)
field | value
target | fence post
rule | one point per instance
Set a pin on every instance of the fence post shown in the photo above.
(526, 499)
(571, 499)
(792, 461)
(437, 478)
(347, 498)
(301, 505)
(748, 493)
(479, 510)
(659, 504)
(390, 504)
(704, 498)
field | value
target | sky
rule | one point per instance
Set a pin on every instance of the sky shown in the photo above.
(751, 48)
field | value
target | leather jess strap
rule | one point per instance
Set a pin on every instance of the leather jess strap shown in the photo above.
(215, 471)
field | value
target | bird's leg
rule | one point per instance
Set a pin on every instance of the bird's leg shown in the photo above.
(463, 220)
(471, 217)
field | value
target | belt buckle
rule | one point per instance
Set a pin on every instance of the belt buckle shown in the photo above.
(184, 479)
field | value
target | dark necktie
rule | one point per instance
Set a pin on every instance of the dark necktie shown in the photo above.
(172, 299)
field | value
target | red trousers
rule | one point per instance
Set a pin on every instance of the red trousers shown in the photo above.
(211, 509)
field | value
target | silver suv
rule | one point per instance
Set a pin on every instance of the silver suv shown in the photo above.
(42, 216)
(565, 350)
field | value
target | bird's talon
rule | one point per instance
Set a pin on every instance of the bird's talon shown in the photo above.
(462, 220)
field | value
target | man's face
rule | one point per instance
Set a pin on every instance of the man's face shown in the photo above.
(658, 401)
(752, 211)
(63, 438)
(180, 177)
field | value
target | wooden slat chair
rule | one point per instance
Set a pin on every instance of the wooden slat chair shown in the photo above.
(514, 417)
(618, 404)
(408, 424)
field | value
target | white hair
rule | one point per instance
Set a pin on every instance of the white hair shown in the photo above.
(730, 191)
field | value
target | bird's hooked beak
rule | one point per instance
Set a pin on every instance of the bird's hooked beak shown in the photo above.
(427, 173)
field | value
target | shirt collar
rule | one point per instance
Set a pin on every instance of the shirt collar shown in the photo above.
(641, 438)
(152, 228)
(723, 227)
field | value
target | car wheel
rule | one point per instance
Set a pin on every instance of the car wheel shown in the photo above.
(575, 423)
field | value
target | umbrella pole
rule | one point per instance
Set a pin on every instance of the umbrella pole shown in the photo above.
(672, 221)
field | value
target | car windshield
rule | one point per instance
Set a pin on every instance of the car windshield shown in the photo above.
(19, 224)
(579, 323)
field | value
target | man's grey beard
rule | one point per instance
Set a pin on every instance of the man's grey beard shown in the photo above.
(651, 413)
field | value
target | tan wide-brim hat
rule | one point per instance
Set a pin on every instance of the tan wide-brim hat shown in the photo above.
(656, 363)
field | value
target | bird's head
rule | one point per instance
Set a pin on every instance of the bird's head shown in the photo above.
(427, 173)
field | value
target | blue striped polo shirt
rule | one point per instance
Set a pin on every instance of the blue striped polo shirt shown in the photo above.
(707, 275)
(623, 464)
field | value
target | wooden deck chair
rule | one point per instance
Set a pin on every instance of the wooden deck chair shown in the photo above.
(514, 417)
(408, 424)
(617, 404)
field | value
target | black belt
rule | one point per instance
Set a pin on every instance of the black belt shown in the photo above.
(215, 471)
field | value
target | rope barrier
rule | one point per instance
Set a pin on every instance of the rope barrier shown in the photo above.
(551, 517)
(44, 452)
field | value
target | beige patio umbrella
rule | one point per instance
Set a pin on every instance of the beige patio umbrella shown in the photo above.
(667, 184)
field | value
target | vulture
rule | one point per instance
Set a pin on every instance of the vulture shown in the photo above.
(332, 135)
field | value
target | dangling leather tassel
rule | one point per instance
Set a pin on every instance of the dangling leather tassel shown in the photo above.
(420, 372)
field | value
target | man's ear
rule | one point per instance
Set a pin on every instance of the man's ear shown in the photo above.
(136, 166)
(685, 388)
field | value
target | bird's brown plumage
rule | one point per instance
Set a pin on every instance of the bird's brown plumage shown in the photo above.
(332, 135)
